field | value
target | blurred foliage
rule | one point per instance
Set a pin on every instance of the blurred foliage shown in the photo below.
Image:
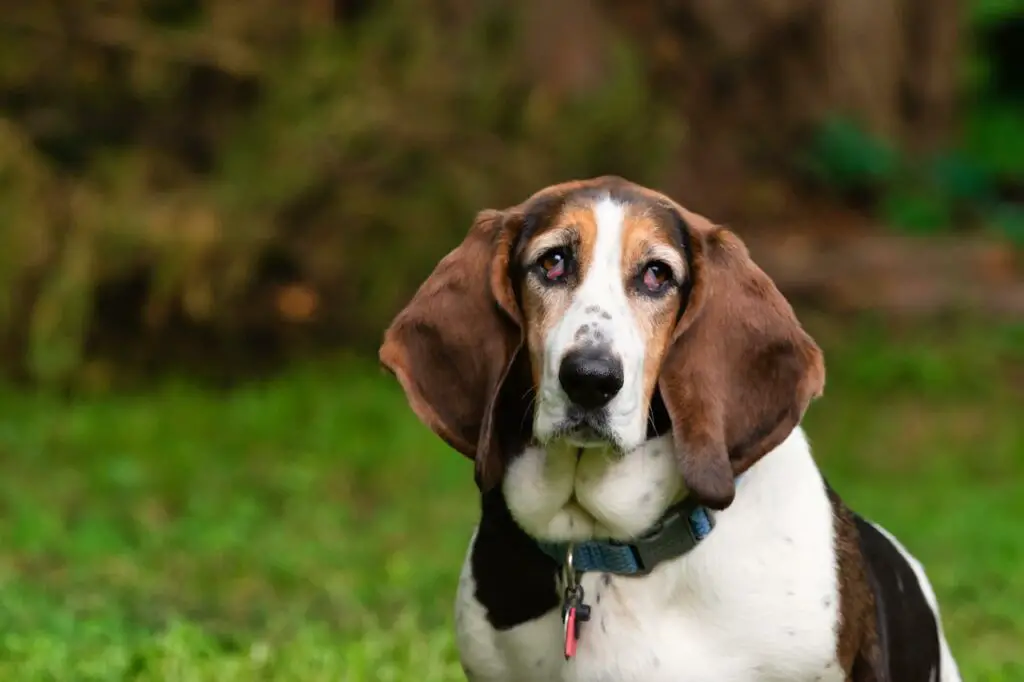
(981, 179)
(194, 163)
(213, 182)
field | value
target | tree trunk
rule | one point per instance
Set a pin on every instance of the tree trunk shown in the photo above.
(754, 78)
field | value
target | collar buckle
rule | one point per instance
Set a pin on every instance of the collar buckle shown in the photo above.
(675, 534)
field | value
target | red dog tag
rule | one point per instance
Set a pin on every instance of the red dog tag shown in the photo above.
(570, 632)
(574, 611)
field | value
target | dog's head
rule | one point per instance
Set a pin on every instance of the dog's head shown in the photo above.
(593, 314)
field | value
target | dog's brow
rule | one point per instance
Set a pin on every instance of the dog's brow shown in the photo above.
(669, 255)
(557, 237)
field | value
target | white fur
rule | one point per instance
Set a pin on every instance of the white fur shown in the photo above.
(601, 302)
(755, 601)
(950, 672)
(555, 496)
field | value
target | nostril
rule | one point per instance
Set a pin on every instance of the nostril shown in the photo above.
(591, 377)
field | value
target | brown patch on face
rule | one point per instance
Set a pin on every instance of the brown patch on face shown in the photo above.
(574, 229)
(647, 238)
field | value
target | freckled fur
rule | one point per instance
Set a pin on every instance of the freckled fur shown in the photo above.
(601, 305)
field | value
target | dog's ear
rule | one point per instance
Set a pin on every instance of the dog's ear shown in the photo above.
(454, 343)
(739, 372)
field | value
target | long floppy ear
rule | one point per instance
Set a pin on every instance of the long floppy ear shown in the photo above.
(455, 342)
(740, 370)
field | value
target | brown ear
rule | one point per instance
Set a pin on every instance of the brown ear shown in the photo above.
(740, 371)
(452, 346)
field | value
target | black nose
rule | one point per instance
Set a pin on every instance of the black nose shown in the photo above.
(590, 377)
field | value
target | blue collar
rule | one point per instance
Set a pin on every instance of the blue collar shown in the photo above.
(678, 531)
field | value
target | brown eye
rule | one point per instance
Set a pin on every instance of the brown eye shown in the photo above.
(656, 277)
(554, 264)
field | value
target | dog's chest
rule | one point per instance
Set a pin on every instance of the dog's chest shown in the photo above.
(756, 601)
(661, 628)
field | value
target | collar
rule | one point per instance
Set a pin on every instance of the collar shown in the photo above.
(683, 526)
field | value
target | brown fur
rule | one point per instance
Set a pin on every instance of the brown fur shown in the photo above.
(453, 344)
(858, 649)
(738, 370)
(642, 233)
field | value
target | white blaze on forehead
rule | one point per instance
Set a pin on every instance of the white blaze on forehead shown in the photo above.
(604, 269)
(610, 218)
(600, 313)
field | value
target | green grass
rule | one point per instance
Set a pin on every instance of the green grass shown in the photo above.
(308, 528)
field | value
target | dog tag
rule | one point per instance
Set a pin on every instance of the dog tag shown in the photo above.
(574, 611)
(570, 632)
(574, 614)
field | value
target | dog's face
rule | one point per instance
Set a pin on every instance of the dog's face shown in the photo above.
(601, 283)
(564, 321)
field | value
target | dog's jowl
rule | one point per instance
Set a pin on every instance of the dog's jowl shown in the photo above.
(630, 386)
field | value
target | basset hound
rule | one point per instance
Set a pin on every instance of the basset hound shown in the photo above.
(630, 386)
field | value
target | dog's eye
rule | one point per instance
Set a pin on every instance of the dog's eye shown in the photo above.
(656, 277)
(554, 264)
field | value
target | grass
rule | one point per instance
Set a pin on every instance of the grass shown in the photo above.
(308, 528)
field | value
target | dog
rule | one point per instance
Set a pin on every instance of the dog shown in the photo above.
(630, 386)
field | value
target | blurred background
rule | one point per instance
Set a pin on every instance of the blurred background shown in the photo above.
(210, 209)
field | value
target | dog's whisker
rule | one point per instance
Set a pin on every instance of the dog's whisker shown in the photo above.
(650, 421)
(526, 414)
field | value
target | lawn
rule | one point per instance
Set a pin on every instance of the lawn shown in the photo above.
(308, 528)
